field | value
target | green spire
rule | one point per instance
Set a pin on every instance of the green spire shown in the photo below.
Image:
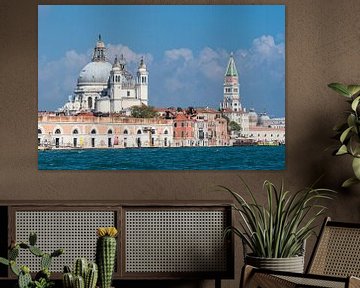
(231, 68)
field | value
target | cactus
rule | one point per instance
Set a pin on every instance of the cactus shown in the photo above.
(32, 239)
(91, 276)
(105, 254)
(79, 282)
(68, 280)
(24, 280)
(88, 273)
(45, 261)
(13, 253)
(36, 251)
(42, 278)
(80, 267)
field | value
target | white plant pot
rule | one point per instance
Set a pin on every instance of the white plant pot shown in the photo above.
(291, 264)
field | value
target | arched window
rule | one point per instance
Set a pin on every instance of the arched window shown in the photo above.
(110, 131)
(126, 131)
(57, 131)
(93, 131)
(139, 131)
(75, 131)
(166, 132)
(39, 131)
(175, 124)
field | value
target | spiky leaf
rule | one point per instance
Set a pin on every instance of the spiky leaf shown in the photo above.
(24, 280)
(24, 245)
(13, 253)
(32, 238)
(57, 252)
(45, 261)
(36, 251)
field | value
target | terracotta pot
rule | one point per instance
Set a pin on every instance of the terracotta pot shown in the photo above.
(291, 264)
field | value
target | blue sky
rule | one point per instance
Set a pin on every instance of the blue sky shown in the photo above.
(186, 49)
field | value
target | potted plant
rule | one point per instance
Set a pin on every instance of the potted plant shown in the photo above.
(42, 278)
(349, 131)
(276, 233)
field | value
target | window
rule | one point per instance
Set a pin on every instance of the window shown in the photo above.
(90, 103)
(57, 131)
(138, 131)
(182, 124)
(75, 131)
(128, 93)
(109, 131)
(175, 125)
(126, 131)
(182, 134)
(39, 131)
(166, 132)
(143, 79)
(93, 131)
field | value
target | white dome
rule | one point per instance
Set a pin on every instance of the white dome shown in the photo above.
(95, 72)
(253, 117)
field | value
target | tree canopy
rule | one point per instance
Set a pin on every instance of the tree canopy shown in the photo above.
(234, 126)
(143, 111)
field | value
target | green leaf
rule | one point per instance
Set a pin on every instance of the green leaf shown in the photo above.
(354, 145)
(349, 182)
(340, 88)
(351, 120)
(353, 89)
(4, 261)
(355, 103)
(345, 134)
(342, 150)
(356, 167)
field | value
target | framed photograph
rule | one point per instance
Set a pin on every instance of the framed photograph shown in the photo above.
(161, 87)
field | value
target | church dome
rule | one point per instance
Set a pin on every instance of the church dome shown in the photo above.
(253, 117)
(95, 72)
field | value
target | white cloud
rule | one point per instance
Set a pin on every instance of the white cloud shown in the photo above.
(181, 53)
(131, 56)
(57, 79)
(264, 50)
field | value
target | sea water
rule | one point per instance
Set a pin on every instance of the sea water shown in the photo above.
(187, 158)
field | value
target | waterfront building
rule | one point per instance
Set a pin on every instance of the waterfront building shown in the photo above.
(184, 130)
(89, 131)
(216, 133)
(108, 88)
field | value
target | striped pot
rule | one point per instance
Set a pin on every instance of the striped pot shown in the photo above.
(291, 264)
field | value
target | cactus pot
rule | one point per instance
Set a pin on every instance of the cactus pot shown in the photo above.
(291, 264)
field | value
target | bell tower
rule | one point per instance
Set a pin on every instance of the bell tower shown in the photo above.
(142, 82)
(99, 51)
(231, 87)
